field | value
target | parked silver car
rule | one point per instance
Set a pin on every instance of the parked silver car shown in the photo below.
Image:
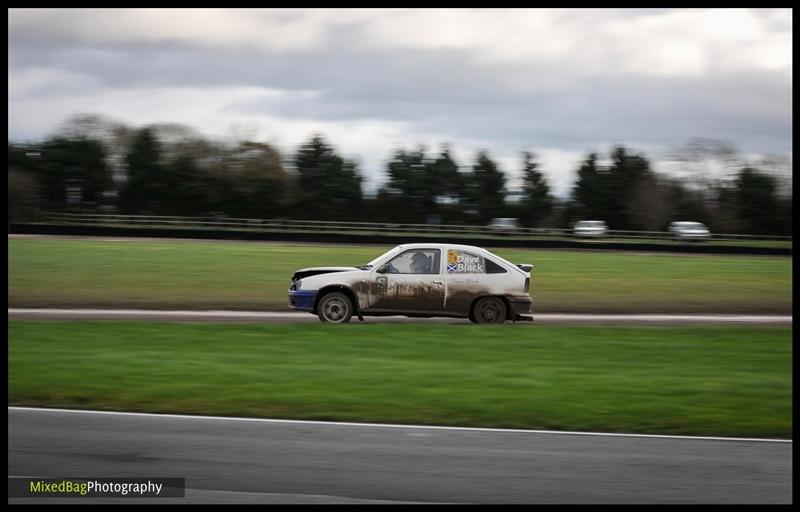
(689, 231)
(418, 280)
(590, 228)
(504, 225)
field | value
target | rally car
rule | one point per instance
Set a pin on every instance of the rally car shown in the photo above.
(418, 280)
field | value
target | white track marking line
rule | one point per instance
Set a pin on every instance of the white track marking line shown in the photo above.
(290, 315)
(388, 425)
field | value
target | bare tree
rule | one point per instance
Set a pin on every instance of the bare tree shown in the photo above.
(704, 163)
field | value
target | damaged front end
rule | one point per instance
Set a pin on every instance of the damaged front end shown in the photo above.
(303, 300)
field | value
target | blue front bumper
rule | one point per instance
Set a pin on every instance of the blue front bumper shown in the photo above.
(302, 300)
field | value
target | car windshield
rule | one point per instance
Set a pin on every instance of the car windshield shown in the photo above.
(375, 261)
(590, 224)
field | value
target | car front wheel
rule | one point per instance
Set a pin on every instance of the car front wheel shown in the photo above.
(489, 310)
(335, 308)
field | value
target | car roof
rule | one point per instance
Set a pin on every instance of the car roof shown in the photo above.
(440, 245)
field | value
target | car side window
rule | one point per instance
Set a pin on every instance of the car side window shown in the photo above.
(415, 261)
(494, 268)
(462, 262)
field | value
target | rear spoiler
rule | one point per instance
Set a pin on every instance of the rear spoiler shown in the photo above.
(525, 267)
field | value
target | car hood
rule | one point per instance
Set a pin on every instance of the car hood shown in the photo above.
(315, 271)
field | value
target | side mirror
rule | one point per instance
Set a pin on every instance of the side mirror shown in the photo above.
(383, 269)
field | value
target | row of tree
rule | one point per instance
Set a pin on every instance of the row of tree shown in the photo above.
(97, 165)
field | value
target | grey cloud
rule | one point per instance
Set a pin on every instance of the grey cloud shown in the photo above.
(444, 92)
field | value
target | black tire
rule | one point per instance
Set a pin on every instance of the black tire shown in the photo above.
(335, 308)
(489, 310)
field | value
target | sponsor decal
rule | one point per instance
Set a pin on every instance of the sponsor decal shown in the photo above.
(464, 263)
(452, 257)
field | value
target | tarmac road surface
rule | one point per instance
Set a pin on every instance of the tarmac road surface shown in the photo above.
(236, 460)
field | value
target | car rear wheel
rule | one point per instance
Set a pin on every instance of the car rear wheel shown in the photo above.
(335, 308)
(489, 310)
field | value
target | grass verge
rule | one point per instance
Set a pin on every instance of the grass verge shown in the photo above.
(662, 380)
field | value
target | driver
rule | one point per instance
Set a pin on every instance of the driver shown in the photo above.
(420, 264)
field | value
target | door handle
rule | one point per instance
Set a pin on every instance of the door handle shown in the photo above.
(436, 281)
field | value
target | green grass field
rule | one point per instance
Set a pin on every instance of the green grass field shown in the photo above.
(666, 380)
(241, 275)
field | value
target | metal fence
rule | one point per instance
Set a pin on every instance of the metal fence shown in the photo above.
(286, 225)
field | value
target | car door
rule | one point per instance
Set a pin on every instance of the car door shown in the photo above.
(411, 282)
(465, 280)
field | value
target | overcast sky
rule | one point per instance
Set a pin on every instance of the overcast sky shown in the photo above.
(559, 82)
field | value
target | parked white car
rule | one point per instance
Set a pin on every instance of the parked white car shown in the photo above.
(590, 228)
(689, 230)
(418, 280)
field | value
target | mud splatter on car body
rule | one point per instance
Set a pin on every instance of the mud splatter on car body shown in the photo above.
(419, 280)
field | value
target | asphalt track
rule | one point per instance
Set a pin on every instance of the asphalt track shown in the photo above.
(230, 460)
(295, 317)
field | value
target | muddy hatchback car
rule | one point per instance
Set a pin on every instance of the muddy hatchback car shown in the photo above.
(418, 280)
